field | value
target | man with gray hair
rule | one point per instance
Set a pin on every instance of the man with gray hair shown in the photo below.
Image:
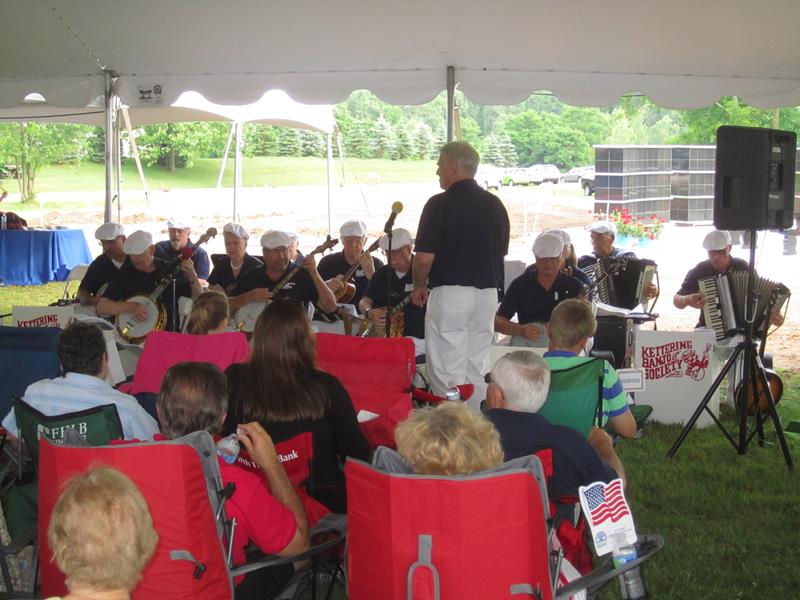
(462, 239)
(519, 384)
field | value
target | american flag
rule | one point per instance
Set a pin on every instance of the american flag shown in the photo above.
(606, 501)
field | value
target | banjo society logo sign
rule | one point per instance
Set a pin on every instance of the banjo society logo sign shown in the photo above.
(675, 359)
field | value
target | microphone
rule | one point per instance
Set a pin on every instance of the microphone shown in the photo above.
(397, 208)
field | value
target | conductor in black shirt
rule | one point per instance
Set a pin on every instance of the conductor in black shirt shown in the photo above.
(462, 238)
(105, 267)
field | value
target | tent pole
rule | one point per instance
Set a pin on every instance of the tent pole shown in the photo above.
(237, 166)
(118, 158)
(225, 156)
(109, 158)
(451, 100)
(135, 151)
(330, 178)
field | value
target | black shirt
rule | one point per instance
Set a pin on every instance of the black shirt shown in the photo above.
(588, 260)
(336, 435)
(414, 321)
(527, 299)
(166, 252)
(222, 275)
(702, 270)
(575, 462)
(100, 272)
(467, 228)
(301, 287)
(336, 264)
(130, 281)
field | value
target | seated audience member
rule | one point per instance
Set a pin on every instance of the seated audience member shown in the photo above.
(101, 535)
(569, 260)
(450, 439)
(235, 263)
(209, 314)
(105, 267)
(518, 389)
(306, 285)
(571, 325)
(269, 514)
(334, 266)
(82, 352)
(394, 280)
(140, 275)
(168, 250)
(281, 388)
(532, 295)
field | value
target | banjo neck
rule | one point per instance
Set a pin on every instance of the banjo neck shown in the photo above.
(326, 245)
(172, 270)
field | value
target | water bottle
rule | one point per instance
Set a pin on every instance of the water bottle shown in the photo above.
(228, 448)
(3, 221)
(631, 585)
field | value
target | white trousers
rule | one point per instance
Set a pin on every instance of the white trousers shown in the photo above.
(459, 326)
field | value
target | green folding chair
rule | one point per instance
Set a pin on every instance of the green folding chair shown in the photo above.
(575, 398)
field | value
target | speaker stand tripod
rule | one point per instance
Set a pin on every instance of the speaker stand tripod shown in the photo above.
(753, 377)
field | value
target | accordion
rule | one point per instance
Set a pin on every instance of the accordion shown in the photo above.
(726, 299)
(621, 280)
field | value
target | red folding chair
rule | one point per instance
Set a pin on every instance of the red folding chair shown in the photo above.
(163, 349)
(376, 372)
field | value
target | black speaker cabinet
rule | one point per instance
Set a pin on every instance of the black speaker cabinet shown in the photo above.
(613, 334)
(754, 178)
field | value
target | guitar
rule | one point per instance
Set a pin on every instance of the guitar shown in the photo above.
(395, 316)
(245, 318)
(134, 331)
(346, 294)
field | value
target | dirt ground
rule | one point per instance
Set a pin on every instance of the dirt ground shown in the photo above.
(305, 209)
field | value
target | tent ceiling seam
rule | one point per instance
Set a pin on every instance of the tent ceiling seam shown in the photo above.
(78, 39)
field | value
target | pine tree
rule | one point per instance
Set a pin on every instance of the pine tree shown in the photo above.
(289, 142)
(510, 158)
(439, 140)
(311, 143)
(402, 147)
(356, 145)
(381, 141)
(423, 141)
(493, 152)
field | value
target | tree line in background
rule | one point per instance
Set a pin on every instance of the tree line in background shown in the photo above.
(540, 130)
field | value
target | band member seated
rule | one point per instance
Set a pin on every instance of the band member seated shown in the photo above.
(167, 250)
(306, 285)
(333, 267)
(720, 261)
(570, 327)
(294, 254)
(603, 235)
(236, 262)
(533, 295)
(140, 275)
(106, 266)
(409, 318)
(569, 260)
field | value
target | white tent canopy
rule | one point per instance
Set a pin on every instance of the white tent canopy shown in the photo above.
(683, 53)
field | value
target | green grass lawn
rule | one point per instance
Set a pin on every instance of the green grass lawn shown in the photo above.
(730, 522)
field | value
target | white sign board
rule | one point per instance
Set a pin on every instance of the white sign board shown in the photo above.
(679, 368)
(42, 316)
(632, 380)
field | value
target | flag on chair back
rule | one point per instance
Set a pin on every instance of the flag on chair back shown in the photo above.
(608, 515)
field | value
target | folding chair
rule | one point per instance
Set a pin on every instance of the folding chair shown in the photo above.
(26, 355)
(575, 398)
(163, 349)
(485, 535)
(77, 273)
(180, 480)
(376, 372)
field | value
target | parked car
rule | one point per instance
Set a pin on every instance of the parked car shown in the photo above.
(513, 177)
(489, 176)
(535, 174)
(550, 173)
(575, 174)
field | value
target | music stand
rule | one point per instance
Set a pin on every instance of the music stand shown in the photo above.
(753, 372)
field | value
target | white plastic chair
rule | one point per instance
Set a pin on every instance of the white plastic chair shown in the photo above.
(77, 273)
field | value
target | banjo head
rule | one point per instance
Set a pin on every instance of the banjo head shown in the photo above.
(245, 318)
(134, 331)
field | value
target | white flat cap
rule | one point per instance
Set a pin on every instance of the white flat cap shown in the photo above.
(353, 228)
(109, 231)
(563, 234)
(137, 243)
(178, 223)
(275, 239)
(548, 245)
(400, 237)
(237, 230)
(602, 227)
(717, 240)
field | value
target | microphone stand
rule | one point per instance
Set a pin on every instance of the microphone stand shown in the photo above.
(388, 327)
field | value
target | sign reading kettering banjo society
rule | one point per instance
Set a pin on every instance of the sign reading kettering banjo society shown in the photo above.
(679, 368)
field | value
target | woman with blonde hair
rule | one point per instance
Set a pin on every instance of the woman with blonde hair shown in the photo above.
(210, 314)
(450, 439)
(101, 535)
(281, 388)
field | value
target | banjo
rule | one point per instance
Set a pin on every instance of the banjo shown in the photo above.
(134, 331)
(245, 318)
